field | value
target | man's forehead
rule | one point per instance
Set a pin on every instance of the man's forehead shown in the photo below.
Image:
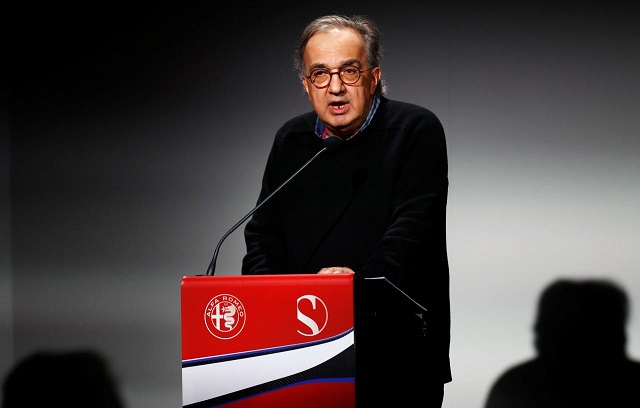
(335, 47)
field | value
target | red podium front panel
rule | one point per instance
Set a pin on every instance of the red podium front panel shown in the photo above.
(268, 341)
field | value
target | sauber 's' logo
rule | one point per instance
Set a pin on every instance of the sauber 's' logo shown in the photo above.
(313, 313)
(225, 316)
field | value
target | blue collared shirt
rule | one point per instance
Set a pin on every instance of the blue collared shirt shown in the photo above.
(320, 126)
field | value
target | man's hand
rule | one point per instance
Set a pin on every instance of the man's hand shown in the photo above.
(335, 270)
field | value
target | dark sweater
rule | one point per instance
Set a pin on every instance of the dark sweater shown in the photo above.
(376, 205)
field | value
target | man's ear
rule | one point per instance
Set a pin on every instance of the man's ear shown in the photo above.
(376, 74)
(305, 85)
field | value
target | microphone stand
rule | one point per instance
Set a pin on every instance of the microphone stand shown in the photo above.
(331, 144)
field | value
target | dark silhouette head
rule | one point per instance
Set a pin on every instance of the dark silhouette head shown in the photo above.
(581, 362)
(65, 379)
(579, 318)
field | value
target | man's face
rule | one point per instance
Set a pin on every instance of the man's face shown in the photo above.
(342, 108)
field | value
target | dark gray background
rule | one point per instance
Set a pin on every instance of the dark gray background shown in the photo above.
(138, 136)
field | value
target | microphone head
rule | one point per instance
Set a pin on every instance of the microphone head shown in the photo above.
(332, 144)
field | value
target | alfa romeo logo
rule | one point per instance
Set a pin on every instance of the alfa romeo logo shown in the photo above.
(225, 316)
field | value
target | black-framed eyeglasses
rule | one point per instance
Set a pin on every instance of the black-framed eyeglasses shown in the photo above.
(348, 74)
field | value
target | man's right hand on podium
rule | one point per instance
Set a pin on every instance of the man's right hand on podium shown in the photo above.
(336, 270)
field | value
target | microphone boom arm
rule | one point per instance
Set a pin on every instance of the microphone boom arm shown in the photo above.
(212, 264)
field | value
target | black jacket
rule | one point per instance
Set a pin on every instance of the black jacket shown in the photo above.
(376, 205)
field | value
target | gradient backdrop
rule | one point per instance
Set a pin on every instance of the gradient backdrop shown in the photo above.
(138, 137)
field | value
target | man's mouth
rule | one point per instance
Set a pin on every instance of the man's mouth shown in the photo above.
(337, 107)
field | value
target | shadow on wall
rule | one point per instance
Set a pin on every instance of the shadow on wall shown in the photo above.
(580, 339)
(64, 379)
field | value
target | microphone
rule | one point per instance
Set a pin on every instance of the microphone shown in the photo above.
(331, 145)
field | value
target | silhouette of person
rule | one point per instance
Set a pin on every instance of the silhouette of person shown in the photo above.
(581, 360)
(70, 379)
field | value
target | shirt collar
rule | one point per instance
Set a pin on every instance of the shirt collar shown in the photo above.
(321, 129)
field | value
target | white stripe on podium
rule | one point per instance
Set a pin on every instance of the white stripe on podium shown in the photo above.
(203, 382)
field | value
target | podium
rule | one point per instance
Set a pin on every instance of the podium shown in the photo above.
(282, 340)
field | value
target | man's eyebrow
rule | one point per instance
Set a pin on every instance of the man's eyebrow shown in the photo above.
(316, 66)
(351, 61)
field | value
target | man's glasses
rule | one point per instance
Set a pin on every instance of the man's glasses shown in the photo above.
(348, 74)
